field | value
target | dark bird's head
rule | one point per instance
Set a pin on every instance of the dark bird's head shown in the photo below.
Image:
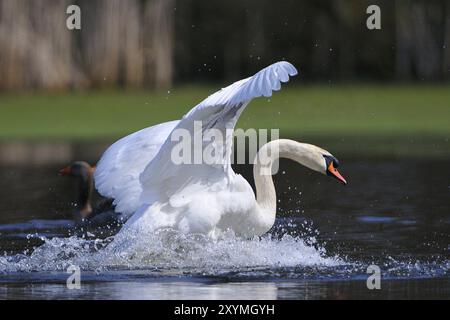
(79, 169)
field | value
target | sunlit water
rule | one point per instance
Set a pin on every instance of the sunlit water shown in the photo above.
(393, 213)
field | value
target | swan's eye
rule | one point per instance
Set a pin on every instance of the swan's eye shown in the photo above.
(335, 163)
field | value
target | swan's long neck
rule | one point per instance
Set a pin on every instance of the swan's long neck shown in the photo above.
(265, 165)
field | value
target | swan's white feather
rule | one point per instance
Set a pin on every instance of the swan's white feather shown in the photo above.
(138, 171)
(221, 111)
(117, 173)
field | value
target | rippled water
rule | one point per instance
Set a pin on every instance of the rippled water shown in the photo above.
(394, 213)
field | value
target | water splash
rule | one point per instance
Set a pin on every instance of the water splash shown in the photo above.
(169, 250)
(290, 250)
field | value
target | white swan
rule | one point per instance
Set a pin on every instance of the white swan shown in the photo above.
(138, 172)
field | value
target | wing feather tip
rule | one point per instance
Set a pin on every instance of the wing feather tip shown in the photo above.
(288, 67)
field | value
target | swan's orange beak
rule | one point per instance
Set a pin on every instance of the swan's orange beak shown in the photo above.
(66, 171)
(335, 173)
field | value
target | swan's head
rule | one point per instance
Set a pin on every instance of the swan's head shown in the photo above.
(77, 169)
(331, 165)
(314, 158)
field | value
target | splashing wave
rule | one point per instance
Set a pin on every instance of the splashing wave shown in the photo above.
(169, 250)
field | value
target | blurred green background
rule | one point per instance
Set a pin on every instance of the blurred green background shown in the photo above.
(342, 109)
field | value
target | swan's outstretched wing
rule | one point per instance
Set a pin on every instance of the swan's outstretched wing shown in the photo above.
(117, 173)
(163, 180)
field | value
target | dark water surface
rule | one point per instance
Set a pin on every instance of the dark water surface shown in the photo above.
(395, 213)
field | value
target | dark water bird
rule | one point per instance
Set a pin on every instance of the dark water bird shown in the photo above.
(103, 214)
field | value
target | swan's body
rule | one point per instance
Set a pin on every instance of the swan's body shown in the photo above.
(139, 173)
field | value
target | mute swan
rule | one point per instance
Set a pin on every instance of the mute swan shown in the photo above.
(138, 172)
(103, 213)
